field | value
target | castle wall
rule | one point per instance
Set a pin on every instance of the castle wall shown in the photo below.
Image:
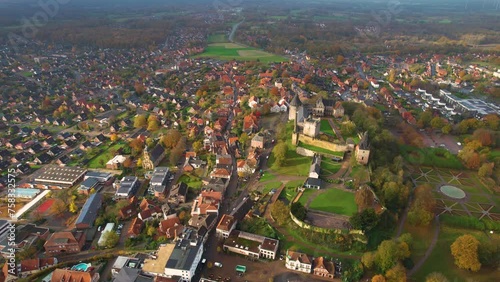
(323, 144)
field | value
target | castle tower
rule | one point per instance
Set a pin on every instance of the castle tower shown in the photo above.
(295, 108)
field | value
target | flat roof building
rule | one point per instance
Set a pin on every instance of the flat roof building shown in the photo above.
(26, 193)
(251, 245)
(60, 176)
(159, 181)
(185, 256)
(156, 264)
(127, 187)
(102, 177)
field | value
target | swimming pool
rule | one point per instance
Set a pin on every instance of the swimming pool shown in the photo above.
(81, 267)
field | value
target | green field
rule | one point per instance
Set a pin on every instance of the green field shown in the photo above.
(270, 186)
(232, 51)
(335, 201)
(267, 176)
(305, 196)
(326, 128)
(320, 150)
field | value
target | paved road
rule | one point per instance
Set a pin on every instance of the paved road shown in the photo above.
(233, 31)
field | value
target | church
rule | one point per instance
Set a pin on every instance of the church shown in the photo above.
(152, 159)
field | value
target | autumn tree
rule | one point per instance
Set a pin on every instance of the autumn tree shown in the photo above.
(378, 278)
(484, 136)
(197, 146)
(436, 277)
(396, 274)
(486, 170)
(368, 260)
(389, 253)
(139, 87)
(422, 209)
(114, 137)
(274, 91)
(58, 207)
(364, 198)
(153, 123)
(127, 163)
(348, 127)
(437, 123)
(140, 121)
(171, 138)
(280, 212)
(465, 251)
(243, 139)
(340, 60)
(136, 145)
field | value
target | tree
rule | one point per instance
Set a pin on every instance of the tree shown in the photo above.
(279, 152)
(171, 138)
(446, 129)
(58, 207)
(114, 137)
(140, 121)
(298, 210)
(340, 60)
(364, 220)
(436, 277)
(378, 278)
(364, 198)
(72, 207)
(280, 212)
(136, 145)
(437, 123)
(422, 209)
(465, 252)
(197, 146)
(486, 170)
(274, 91)
(151, 231)
(389, 253)
(153, 123)
(244, 139)
(396, 274)
(127, 163)
(110, 239)
(425, 119)
(348, 128)
(368, 259)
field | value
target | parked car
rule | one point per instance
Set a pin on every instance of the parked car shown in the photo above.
(218, 264)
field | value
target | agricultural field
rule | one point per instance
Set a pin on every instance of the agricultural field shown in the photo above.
(217, 38)
(233, 51)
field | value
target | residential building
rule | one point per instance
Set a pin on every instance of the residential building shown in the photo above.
(64, 242)
(315, 169)
(257, 141)
(135, 228)
(324, 268)
(207, 202)
(251, 245)
(170, 227)
(185, 256)
(313, 183)
(125, 262)
(178, 194)
(159, 181)
(73, 275)
(298, 261)
(116, 162)
(127, 187)
(89, 212)
(26, 236)
(27, 267)
(226, 224)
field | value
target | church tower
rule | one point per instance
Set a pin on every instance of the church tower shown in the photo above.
(147, 164)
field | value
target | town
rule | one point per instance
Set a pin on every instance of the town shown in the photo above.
(183, 163)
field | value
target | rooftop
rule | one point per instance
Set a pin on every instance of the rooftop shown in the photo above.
(61, 175)
(158, 265)
(185, 250)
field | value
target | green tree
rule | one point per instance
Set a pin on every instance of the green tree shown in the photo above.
(110, 239)
(140, 121)
(197, 146)
(298, 210)
(279, 152)
(368, 260)
(437, 123)
(364, 220)
(244, 139)
(151, 231)
(465, 252)
(153, 123)
(171, 139)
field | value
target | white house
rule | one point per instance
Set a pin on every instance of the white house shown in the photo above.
(298, 261)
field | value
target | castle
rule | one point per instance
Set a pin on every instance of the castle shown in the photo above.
(308, 126)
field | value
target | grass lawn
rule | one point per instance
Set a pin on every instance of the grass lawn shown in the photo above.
(360, 172)
(267, 176)
(305, 196)
(294, 183)
(494, 154)
(335, 201)
(191, 181)
(330, 167)
(270, 186)
(100, 160)
(442, 261)
(232, 51)
(422, 236)
(430, 157)
(320, 150)
(326, 128)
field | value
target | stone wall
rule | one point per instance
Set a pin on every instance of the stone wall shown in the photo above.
(323, 144)
(304, 152)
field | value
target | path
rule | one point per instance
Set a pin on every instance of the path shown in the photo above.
(417, 266)
(312, 197)
(337, 131)
(346, 166)
(233, 31)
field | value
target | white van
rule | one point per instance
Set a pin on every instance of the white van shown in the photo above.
(218, 264)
